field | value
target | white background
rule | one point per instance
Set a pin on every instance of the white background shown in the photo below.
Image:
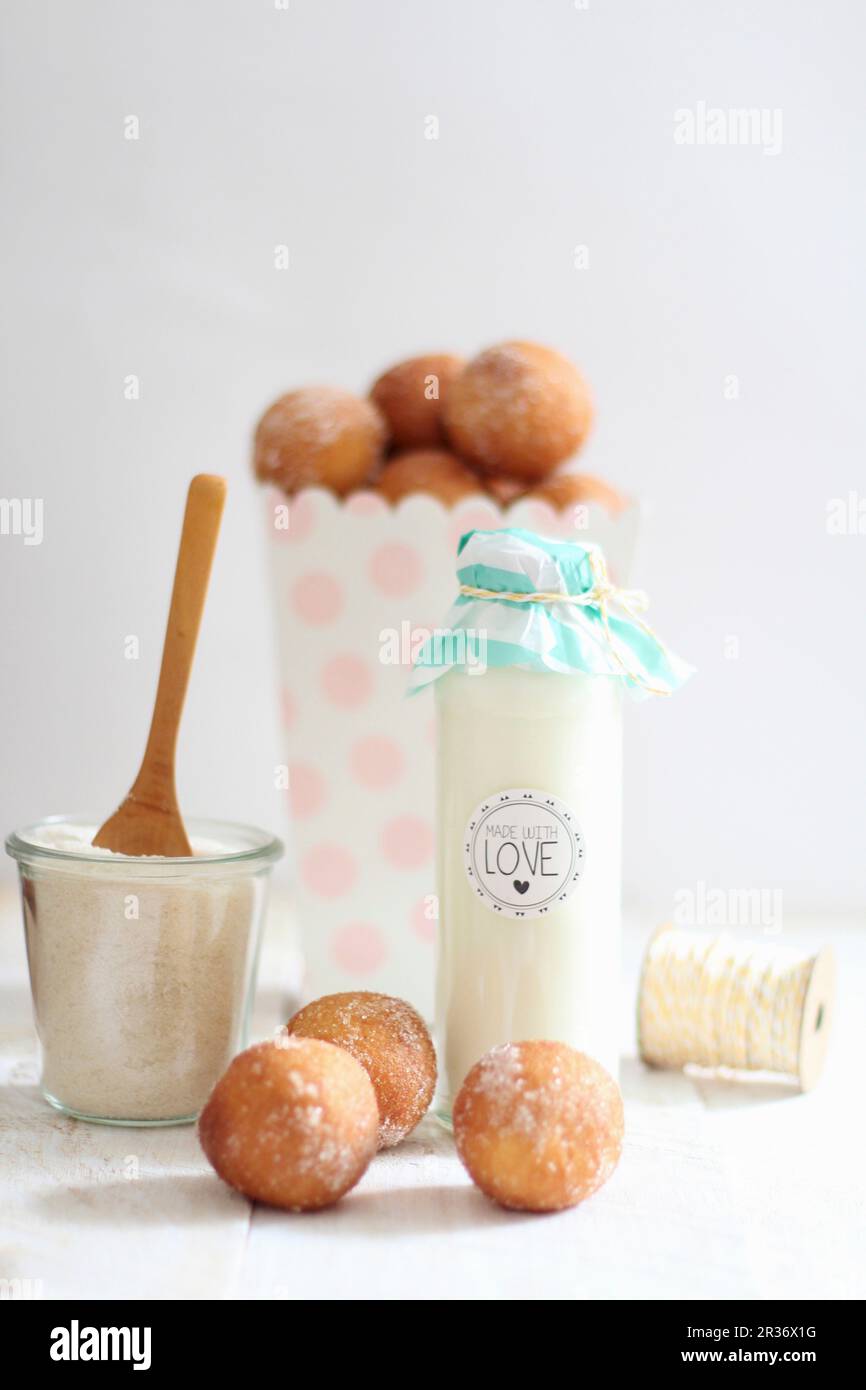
(556, 129)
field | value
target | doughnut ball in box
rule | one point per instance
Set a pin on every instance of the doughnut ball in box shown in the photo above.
(518, 409)
(319, 434)
(410, 398)
(361, 575)
(433, 471)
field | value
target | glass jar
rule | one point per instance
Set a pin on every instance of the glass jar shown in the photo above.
(142, 970)
(529, 812)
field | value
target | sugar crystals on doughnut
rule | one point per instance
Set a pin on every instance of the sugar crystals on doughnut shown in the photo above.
(293, 1123)
(538, 1126)
(319, 436)
(518, 409)
(392, 1044)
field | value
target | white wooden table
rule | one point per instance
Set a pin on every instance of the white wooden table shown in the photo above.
(724, 1190)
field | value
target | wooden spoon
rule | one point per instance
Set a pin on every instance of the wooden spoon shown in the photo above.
(149, 820)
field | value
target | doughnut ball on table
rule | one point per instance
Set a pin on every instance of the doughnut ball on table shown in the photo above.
(293, 1123)
(433, 471)
(566, 490)
(319, 436)
(519, 410)
(392, 1044)
(410, 397)
(538, 1126)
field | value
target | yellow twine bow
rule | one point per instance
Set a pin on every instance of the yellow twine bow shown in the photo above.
(602, 594)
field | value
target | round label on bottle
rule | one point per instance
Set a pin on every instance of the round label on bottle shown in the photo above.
(523, 853)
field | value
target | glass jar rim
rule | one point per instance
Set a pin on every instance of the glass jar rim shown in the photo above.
(255, 847)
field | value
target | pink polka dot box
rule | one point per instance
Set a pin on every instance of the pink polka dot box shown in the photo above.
(359, 587)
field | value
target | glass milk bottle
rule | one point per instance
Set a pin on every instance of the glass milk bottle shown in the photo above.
(530, 668)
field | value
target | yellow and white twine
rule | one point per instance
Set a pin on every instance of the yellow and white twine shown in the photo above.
(720, 1002)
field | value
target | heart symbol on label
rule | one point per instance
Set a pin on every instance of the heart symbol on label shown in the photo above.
(521, 887)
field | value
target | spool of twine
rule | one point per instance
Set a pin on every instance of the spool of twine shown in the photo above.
(720, 1002)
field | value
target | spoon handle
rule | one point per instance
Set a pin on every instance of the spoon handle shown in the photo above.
(201, 523)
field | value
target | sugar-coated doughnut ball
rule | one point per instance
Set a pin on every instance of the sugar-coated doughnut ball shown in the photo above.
(504, 491)
(410, 397)
(433, 471)
(538, 1125)
(519, 409)
(292, 1122)
(392, 1044)
(566, 490)
(319, 436)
